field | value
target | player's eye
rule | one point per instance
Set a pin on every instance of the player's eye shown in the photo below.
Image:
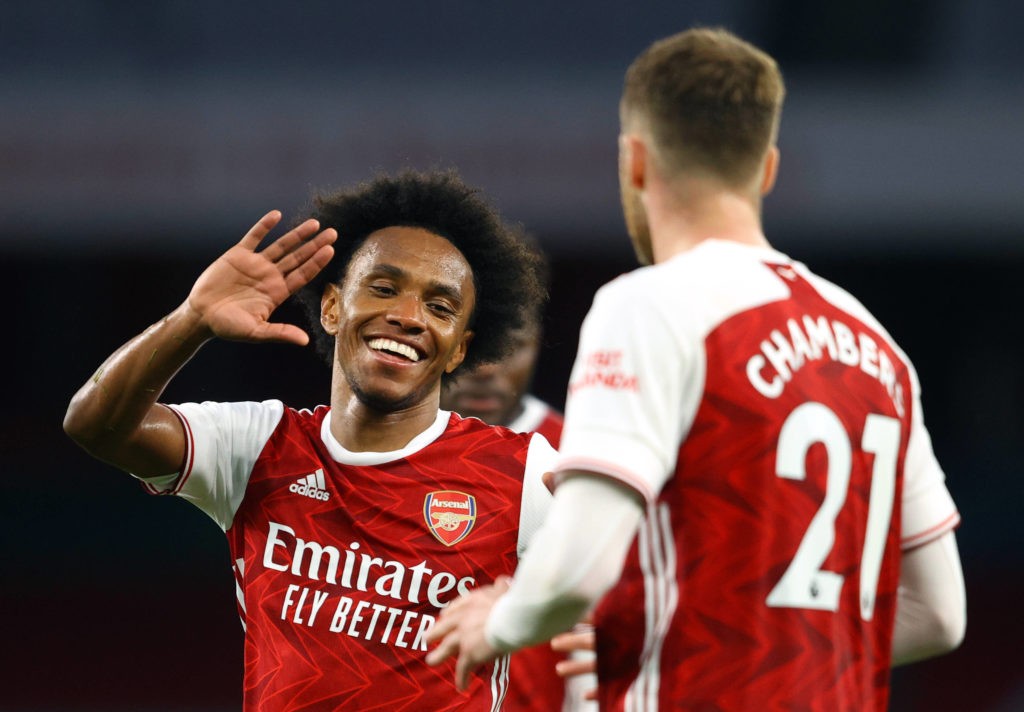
(383, 289)
(441, 308)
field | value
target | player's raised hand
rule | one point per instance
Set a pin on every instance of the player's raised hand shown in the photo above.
(236, 295)
(460, 630)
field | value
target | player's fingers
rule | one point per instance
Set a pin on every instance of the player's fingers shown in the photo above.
(453, 607)
(573, 667)
(464, 667)
(251, 240)
(283, 333)
(442, 627)
(284, 245)
(573, 640)
(304, 273)
(303, 252)
(446, 649)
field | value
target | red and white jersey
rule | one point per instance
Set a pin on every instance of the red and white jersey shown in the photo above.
(343, 560)
(538, 417)
(776, 432)
(547, 691)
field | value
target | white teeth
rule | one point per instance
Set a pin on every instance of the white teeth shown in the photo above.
(394, 347)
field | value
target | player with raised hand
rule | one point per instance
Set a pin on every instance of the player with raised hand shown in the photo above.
(745, 480)
(350, 526)
(115, 415)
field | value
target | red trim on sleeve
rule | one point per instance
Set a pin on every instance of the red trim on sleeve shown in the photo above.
(187, 461)
(190, 453)
(932, 533)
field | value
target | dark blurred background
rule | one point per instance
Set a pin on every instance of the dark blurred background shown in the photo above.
(139, 139)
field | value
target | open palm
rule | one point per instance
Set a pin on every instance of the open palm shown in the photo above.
(236, 294)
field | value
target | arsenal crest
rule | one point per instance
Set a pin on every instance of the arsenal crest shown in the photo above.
(450, 515)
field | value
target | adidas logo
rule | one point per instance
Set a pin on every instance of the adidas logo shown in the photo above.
(313, 486)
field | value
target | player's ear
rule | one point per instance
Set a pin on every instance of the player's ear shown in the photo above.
(633, 160)
(459, 354)
(771, 170)
(330, 303)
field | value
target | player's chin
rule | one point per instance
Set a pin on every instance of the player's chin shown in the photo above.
(387, 398)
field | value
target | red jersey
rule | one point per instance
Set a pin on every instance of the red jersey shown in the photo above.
(775, 430)
(343, 560)
(547, 690)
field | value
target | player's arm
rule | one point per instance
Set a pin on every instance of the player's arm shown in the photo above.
(931, 615)
(573, 559)
(115, 416)
(931, 608)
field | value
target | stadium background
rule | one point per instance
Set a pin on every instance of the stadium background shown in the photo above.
(138, 140)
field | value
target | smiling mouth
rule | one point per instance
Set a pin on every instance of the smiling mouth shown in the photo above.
(394, 348)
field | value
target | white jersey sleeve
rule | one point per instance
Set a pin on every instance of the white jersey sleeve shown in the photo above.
(633, 390)
(223, 441)
(928, 508)
(578, 555)
(536, 499)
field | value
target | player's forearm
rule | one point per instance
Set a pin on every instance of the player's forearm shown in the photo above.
(931, 609)
(112, 405)
(574, 558)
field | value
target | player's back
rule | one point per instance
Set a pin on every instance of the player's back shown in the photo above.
(765, 574)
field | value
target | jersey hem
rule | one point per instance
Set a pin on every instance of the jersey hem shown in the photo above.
(175, 487)
(606, 469)
(931, 534)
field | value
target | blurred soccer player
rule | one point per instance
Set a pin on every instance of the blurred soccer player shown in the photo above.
(498, 393)
(743, 442)
(350, 526)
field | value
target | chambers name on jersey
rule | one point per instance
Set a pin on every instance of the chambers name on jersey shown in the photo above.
(343, 560)
(775, 430)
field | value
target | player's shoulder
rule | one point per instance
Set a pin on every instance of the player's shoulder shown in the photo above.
(843, 300)
(714, 280)
(484, 433)
(496, 447)
(315, 414)
(848, 304)
(228, 412)
(713, 265)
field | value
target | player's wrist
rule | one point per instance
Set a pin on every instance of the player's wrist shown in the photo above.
(188, 325)
(501, 626)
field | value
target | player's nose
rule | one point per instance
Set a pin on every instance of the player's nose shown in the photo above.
(407, 312)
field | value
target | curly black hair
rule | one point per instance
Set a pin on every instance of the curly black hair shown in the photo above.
(507, 272)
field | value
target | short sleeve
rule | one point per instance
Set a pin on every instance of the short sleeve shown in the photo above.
(928, 508)
(634, 388)
(536, 498)
(223, 441)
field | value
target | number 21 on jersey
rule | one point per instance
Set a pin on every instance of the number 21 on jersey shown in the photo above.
(805, 584)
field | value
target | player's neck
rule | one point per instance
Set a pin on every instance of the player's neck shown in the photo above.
(680, 225)
(360, 427)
